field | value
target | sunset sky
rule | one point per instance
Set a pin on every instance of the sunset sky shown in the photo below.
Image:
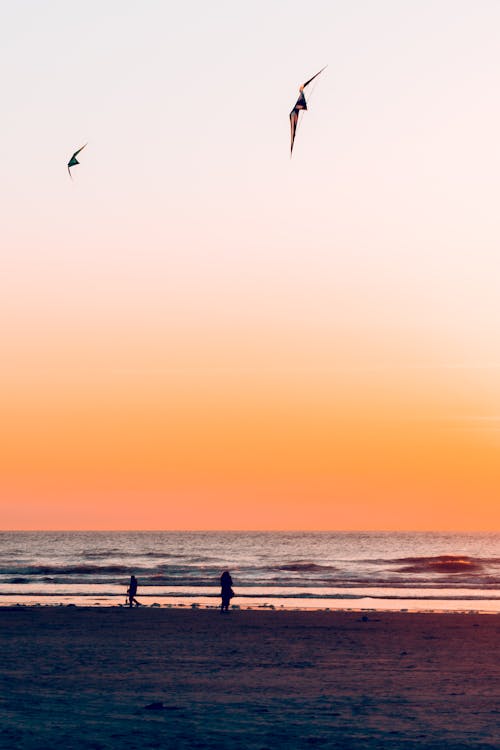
(202, 333)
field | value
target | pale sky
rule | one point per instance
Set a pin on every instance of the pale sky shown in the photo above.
(191, 252)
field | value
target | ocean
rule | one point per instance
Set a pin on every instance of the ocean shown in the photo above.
(326, 570)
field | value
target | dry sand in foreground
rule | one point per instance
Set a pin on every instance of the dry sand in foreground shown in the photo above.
(82, 678)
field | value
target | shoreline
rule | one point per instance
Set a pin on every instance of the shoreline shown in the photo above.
(288, 599)
(413, 606)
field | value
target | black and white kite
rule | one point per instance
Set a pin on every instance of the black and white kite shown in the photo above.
(74, 161)
(300, 104)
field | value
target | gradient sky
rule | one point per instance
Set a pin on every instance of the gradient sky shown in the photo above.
(198, 331)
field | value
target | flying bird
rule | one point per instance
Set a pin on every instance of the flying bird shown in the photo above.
(74, 161)
(300, 104)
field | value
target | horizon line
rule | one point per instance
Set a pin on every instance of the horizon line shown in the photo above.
(262, 531)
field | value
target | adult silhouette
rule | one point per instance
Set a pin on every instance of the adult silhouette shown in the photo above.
(227, 592)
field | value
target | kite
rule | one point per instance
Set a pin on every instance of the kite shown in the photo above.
(74, 161)
(300, 104)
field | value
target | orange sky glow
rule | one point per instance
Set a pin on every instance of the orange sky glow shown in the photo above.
(300, 452)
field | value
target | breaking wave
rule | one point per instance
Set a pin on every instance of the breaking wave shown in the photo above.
(442, 564)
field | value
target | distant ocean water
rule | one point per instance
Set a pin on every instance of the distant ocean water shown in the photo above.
(348, 570)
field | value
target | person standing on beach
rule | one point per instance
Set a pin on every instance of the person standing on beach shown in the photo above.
(132, 591)
(227, 592)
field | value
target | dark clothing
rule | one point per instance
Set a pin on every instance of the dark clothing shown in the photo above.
(132, 591)
(227, 592)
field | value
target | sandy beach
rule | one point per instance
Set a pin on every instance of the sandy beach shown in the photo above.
(144, 678)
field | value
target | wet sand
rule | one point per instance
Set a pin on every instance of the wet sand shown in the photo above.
(84, 678)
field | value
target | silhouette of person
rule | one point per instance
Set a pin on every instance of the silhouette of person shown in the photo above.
(227, 592)
(132, 591)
